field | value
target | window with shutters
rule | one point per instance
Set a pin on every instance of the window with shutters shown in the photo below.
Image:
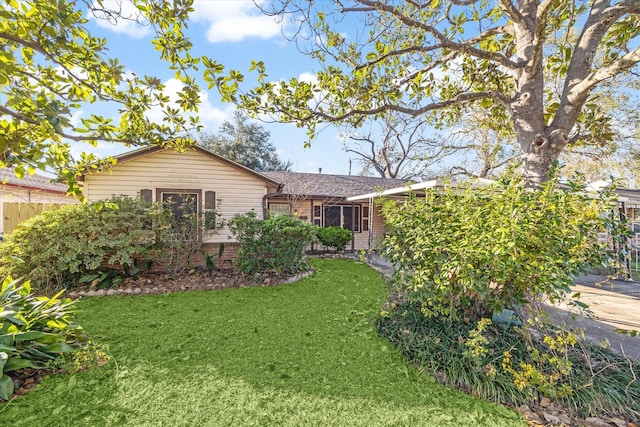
(184, 206)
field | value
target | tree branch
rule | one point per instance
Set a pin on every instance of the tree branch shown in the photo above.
(626, 62)
(414, 112)
(543, 10)
(423, 49)
(40, 49)
(33, 45)
(444, 41)
(511, 11)
(44, 84)
(579, 77)
(76, 138)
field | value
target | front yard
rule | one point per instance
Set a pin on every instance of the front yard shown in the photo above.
(298, 354)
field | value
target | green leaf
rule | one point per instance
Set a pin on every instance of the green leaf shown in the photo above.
(59, 347)
(7, 349)
(15, 363)
(6, 387)
(28, 336)
(49, 338)
(88, 277)
(19, 171)
(13, 317)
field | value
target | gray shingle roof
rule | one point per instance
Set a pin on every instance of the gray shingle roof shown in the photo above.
(325, 185)
(39, 182)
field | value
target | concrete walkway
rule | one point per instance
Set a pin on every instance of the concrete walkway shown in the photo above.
(615, 305)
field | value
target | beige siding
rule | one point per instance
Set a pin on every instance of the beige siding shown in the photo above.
(237, 190)
(378, 227)
(302, 209)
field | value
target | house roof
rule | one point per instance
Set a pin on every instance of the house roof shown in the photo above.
(630, 197)
(325, 185)
(131, 155)
(31, 182)
(408, 188)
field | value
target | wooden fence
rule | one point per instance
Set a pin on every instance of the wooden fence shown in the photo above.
(14, 213)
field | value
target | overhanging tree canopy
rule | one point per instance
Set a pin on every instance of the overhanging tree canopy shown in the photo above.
(434, 58)
(51, 66)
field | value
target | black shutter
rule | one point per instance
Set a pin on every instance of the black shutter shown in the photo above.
(209, 199)
(147, 195)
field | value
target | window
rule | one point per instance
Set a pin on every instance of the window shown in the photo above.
(279, 209)
(182, 204)
(365, 218)
(343, 216)
(317, 215)
(185, 207)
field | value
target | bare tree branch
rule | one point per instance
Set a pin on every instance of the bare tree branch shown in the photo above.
(627, 61)
(511, 11)
(414, 112)
(601, 18)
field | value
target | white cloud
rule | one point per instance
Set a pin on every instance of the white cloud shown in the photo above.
(308, 77)
(76, 118)
(128, 20)
(233, 20)
(210, 117)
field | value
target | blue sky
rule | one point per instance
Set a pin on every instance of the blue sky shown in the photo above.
(233, 32)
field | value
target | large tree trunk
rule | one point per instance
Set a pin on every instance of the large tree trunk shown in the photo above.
(539, 152)
(536, 166)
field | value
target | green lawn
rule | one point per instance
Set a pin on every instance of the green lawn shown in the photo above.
(303, 354)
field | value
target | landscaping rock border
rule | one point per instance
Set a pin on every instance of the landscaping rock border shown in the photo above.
(195, 280)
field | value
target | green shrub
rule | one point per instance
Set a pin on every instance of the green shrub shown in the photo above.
(509, 366)
(334, 237)
(54, 249)
(34, 331)
(467, 251)
(463, 256)
(277, 244)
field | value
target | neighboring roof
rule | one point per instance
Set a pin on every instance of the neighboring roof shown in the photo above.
(414, 188)
(626, 192)
(31, 182)
(631, 198)
(325, 185)
(134, 154)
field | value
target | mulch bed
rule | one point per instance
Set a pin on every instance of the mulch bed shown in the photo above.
(192, 280)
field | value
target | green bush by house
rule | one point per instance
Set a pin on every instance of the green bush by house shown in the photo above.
(276, 244)
(334, 237)
(472, 265)
(54, 249)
